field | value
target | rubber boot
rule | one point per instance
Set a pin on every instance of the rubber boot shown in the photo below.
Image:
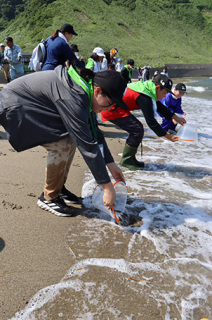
(139, 163)
(128, 158)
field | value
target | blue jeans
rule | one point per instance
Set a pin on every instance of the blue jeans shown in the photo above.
(134, 127)
(16, 70)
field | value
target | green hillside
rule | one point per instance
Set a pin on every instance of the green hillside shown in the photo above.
(152, 32)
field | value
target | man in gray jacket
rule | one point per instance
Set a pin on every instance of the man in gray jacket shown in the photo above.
(55, 109)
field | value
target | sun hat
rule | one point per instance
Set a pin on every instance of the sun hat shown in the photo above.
(113, 85)
(99, 51)
(66, 27)
(164, 82)
(181, 87)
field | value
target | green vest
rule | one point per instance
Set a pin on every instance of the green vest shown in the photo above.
(88, 88)
(146, 87)
(129, 70)
(90, 64)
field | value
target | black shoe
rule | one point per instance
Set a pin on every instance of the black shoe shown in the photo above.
(56, 206)
(68, 196)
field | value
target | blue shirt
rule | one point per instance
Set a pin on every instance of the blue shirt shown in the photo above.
(57, 52)
(174, 105)
(13, 54)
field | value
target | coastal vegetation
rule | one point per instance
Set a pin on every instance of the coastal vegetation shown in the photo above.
(152, 32)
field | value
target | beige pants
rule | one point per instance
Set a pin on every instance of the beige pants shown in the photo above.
(6, 68)
(59, 158)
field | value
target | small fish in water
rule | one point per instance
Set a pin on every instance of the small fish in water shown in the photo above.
(130, 220)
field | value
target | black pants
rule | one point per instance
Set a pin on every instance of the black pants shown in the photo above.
(134, 127)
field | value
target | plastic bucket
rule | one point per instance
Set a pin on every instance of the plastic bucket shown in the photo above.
(188, 132)
(120, 202)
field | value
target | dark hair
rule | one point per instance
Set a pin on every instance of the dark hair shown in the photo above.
(74, 47)
(86, 74)
(112, 66)
(55, 34)
(94, 56)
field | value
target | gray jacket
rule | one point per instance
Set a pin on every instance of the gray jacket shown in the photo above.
(44, 107)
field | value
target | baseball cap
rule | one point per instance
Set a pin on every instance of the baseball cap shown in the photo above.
(66, 27)
(113, 85)
(181, 87)
(99, 51)
(2, 45)
(164, 81)
(119, 59)
(9, 39)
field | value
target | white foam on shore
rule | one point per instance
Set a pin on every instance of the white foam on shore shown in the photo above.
(198, 89)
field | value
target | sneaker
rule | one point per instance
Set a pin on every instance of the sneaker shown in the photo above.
(56, 206)
(68, 196)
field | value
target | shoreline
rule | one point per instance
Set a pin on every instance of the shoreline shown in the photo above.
(174, 71)
(33, 243)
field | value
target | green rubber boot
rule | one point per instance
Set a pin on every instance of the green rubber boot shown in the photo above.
(128, 159)
(139, 163)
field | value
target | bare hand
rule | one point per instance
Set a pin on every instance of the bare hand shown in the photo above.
(116, 172)
(179, 120)
(109, 196)
(171, 137)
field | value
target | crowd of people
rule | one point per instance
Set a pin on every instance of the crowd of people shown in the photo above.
(56, 108)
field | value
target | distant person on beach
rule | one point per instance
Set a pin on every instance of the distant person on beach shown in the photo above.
(109, 58)
(140, 74)
(13, 55)
(119, 65)
(155, 73)
(165, 71)
(144, 96)
(74, 49)
(82, 59)
(126, 72)
(145, 74)
(95, 60)
(174, 104)
(4, 62)
(56, 109)
(111, 66)
(94, 64)
(58, 51)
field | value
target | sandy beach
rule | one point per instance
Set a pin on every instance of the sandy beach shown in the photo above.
(33, 250)
(86, 267)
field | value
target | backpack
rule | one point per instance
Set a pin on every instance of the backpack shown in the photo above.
(38, 56)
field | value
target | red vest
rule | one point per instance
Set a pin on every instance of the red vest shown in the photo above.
(129, 98)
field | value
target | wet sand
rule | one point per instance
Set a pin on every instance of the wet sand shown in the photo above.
(33, 249)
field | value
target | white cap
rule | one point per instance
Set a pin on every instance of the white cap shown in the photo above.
(2, 45)
(99, 51)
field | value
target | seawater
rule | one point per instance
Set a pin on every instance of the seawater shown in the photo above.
(171, 252)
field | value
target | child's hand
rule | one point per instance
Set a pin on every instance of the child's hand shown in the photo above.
(171, 137)
(179, 120)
